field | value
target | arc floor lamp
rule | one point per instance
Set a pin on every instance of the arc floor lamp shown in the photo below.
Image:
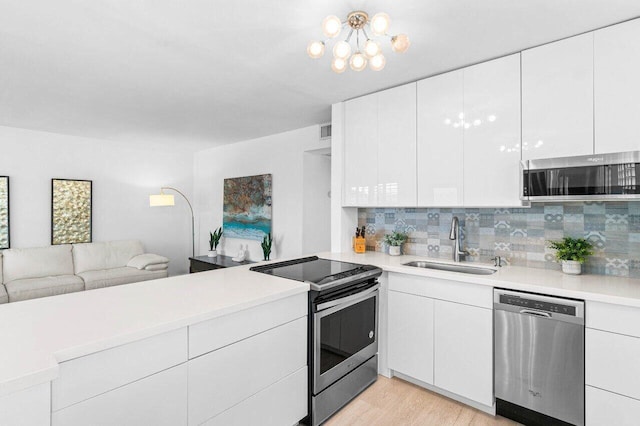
(167, 200)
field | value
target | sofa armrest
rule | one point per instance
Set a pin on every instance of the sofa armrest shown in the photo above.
(142, 261)
(157, 267)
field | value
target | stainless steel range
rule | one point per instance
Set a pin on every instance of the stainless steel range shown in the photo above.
(343, 329)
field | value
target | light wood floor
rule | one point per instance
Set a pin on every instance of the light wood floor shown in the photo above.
(396, 402)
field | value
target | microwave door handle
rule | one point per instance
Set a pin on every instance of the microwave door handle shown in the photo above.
(354, 297)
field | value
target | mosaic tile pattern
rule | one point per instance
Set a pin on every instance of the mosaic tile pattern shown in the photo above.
(519, 235)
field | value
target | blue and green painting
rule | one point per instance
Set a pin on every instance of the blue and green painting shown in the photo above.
(247, 207)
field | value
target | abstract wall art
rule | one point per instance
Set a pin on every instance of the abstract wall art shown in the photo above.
(71, 204)
(247, 207)
(4, 212)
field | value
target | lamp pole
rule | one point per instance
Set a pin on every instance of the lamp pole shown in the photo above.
(193, 234)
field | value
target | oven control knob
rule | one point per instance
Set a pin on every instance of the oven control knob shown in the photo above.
(371, 334)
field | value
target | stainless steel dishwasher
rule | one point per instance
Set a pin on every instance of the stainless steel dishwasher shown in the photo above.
(539, 358)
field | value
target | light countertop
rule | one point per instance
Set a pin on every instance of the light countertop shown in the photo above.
(38, 334)
(596, 288)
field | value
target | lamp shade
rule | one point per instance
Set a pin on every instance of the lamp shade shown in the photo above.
(161, 200)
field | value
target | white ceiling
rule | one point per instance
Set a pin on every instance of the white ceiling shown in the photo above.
(200, 73)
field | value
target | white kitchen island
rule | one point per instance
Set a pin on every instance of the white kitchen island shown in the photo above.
(219, 347)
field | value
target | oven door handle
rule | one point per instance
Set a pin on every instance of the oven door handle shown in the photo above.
(362, 295)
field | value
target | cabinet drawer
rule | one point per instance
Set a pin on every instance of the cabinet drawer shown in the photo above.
(436, 288)
(216, 333)
(88, 376)
(614, 318)
(29, 407)
(604, 408)
(611, 362)
(223, 378)
(283, 403)
(157, 400)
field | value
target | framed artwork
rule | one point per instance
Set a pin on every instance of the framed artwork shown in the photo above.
(5, 241)
(71, 205)
(247, 207)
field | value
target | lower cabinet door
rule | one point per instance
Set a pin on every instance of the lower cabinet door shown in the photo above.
(464, 351)
(223, 378)
(283, 403)
(604, 408)
(160, 399)
(29, 407)
(411, 335)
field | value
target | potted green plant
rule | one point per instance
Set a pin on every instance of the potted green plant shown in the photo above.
(266, 244)
(572, 253)
(214, 240)
(395, 241)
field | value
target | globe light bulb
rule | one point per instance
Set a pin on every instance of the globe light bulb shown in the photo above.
(377, 62)
(331, 26)
(371, 48)
(315, 49)
(339, 65)
(342, 50)
(400, 43)
(358, 62)
(380, 23)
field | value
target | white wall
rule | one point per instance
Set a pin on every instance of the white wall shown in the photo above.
(282, 155)
(316, 218)
(123, 177)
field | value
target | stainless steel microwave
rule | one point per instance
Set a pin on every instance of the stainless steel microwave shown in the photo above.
(586, 177)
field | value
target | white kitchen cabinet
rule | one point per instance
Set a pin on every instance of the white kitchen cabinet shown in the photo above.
(223, 378)
(160, 399)
(492, 133)
(380, 149)
(85, 377)
(442, 343)
(397, 146)
(617, 87)
(464, 350)
(604, 408)
(28, 407)
(361, 152)
(410, 349)
(440, 140)
(557, 99)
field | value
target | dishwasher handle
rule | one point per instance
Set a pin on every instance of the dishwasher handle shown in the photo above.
(535, 313)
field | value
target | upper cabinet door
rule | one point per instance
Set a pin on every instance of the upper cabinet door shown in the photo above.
(491, 124)
(440, 139)
(617, 87)
(397, 146)
(557, 99)
(361, 152)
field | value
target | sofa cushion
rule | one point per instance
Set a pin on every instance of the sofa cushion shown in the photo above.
(4, 297)
(107, 255)
(143, 260)
(118, 276)
(38, 262)
(31, 288)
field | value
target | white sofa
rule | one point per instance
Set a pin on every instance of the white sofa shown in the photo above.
(46, 271)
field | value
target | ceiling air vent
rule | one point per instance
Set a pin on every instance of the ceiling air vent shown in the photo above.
(325, 132)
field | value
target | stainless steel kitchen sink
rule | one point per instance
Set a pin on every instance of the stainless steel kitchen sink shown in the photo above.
(465, 269)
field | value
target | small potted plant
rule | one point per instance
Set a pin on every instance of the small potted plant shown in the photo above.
(214, 240)
(395, 241)
(572, 253)
(267, 241)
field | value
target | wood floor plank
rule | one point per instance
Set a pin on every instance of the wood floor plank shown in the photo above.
(399, 403)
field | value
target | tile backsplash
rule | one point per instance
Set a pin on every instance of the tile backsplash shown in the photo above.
(519, 235)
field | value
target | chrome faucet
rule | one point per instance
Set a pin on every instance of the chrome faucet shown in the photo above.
(454, 235)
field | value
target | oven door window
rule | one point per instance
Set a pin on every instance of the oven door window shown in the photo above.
(346, 332)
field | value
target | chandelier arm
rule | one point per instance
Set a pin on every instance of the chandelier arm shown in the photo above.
(349, 36)
(365, 34)
(358, 40)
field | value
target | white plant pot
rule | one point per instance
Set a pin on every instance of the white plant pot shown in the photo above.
(394, 250)
(571, 267)
(212, 253)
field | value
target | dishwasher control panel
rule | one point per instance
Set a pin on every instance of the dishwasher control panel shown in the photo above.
(540, 305)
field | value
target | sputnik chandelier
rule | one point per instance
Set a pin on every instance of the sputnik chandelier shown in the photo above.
(367, 49)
